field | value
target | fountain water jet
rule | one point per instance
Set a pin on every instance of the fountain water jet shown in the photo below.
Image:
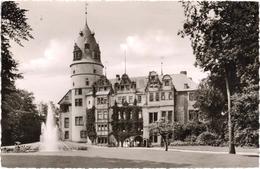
(49, 133)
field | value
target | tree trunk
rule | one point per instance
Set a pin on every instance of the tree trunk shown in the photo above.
(165, 140)
(166, 146)
(230, 125)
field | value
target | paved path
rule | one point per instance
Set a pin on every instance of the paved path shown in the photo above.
(127, 157)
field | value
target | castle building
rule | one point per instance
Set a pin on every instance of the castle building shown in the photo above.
(169, 96)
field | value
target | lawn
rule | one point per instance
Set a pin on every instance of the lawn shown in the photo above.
(126, 157)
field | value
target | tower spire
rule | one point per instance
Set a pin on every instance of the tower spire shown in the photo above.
(162, 65)
(86, 12)
(125, 60)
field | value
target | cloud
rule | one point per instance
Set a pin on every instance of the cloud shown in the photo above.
(152, 43)
(53, 61)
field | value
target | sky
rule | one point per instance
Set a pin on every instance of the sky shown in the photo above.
(148, 30)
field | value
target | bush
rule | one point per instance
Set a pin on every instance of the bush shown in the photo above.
(247, 137)
(207, 138)
(190, 139)
(82, 148)
(182, 143)
(189, 131)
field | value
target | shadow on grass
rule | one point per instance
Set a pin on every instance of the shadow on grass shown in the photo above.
(251, 155)
(30, 161)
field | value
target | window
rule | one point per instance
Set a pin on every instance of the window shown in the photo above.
(153, 117)
(167, 83)
(170, 116)
(94, 71)
(119, 99)
(79, 121)
(124, 99)
(66, 135)
(130, 99)
(77, 55)
(163, 113)
(162, 96)
(67, 97)
(86, 81)
(73, 84)
(102, 127)
(191, 96)
(66, 122)
(78, 91)
(157, 97)
(154, 138)
(139, 98)
(65, 108)
(105, 114)
(99, 114)
(102, 140)
(104, 100)
(140, 115)
(170, 96)
(151, 97)
(74, 71)
(86, 46)
(83, 134)
(101, 100)
(78, 102)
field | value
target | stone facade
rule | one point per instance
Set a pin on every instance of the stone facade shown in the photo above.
(169, 96)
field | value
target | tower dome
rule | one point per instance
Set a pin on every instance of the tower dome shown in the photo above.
(88, 46)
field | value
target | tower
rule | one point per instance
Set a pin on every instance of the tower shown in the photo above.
(86, 68)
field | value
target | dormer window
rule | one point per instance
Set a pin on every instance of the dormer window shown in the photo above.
(77, 54)
(86, 46)
(81, 33)
(167, 83)
(186, 86)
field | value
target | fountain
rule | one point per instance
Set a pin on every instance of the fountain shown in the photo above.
(49, 133)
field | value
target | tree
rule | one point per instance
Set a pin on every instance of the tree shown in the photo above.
(164, 128)
(13, 27)
(224, 38)
(210, 103)
(23, 122)
(91, 130)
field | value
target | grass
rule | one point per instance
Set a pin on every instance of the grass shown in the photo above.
(79, 162)
(103, 157)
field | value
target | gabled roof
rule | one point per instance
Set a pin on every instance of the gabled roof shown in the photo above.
(63, 98)
(178, 81)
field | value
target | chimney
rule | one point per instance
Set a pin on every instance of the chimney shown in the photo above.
(183, 72)
(190, 78)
